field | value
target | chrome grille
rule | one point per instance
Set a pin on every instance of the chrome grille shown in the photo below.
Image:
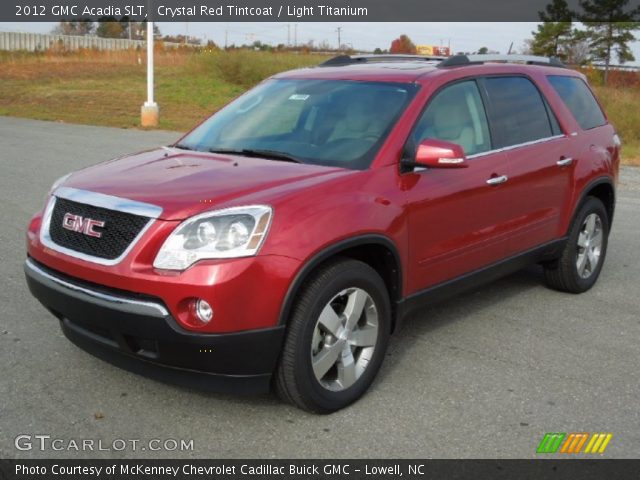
(119, 230)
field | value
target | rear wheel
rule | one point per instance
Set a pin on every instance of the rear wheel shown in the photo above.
(579, 266)
(336, 339)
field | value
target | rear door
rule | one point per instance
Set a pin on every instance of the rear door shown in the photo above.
(540, 156)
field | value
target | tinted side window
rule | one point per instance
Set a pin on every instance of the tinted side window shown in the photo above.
(456, 114)
(579, 100)
(518, 113)
(555, 126)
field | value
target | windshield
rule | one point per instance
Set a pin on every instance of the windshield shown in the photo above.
(325, 122)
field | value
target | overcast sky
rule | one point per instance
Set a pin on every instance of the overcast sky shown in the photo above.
(363, 36)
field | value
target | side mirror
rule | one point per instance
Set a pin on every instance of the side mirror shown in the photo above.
(433, 153)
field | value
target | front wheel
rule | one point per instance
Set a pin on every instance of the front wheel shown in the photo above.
(579, 266)
(336, 338)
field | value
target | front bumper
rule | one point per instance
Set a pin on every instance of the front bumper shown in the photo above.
(137, 332)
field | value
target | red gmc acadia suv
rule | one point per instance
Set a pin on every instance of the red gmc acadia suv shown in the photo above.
(282, 240)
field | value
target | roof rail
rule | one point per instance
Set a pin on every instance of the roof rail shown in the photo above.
(462, 60)
(341, 60)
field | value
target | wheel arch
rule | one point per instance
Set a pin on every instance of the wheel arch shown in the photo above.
(377, 251)
(603, 189)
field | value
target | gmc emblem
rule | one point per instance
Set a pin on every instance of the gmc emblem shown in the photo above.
(76, 223)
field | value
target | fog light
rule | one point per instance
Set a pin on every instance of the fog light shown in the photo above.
(204, 311)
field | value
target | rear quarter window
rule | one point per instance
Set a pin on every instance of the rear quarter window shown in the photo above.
(579, 100)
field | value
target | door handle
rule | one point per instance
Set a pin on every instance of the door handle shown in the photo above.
(497, 180)
(563, 162)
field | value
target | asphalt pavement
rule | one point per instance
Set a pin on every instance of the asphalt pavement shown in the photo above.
(483, 375)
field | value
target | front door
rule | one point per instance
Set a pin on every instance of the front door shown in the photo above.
(458, 218)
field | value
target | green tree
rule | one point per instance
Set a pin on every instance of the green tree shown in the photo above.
(557, 11)
(80, 27)
(554, 34)
(110, 27)
(609, 30)
(128, 28)
(483, 50)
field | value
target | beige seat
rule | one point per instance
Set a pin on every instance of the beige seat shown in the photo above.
(452, 125)
(358, 122)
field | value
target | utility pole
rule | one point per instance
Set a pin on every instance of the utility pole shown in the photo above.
(150, 112)
(339, 30)
(295, 35)
(288, 34)
(226, 38)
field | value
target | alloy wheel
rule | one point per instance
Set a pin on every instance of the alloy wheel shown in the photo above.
(589, 245)
(344, 339)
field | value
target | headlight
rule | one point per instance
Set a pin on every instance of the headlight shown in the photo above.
(229, 233)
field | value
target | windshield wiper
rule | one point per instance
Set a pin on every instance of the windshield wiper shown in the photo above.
(269, 154)
(182, 146)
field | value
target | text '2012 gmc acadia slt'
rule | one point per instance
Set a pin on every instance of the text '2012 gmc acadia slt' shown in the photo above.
(281, 241)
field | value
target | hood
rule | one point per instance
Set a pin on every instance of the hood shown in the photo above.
(185, 183)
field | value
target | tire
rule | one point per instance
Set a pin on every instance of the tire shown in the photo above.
(574, 271)
(326, 334)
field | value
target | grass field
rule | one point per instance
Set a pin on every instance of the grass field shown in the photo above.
(108, 88)
(623, 109)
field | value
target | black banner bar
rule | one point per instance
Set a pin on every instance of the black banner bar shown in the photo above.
(298, 11)
(583, 469)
